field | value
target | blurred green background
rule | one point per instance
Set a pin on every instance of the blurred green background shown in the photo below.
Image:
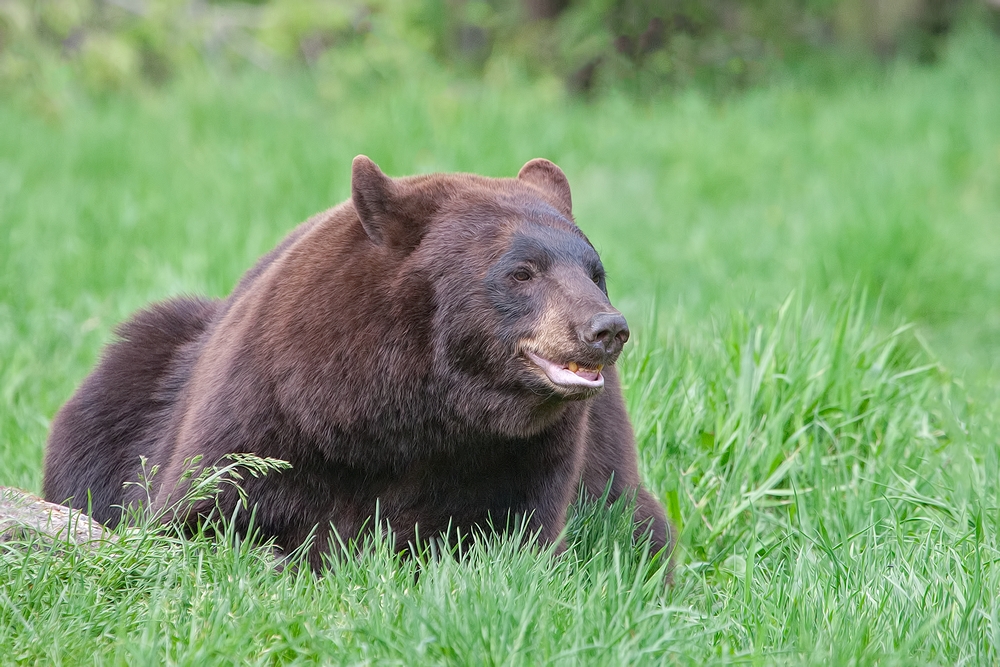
(588, 46)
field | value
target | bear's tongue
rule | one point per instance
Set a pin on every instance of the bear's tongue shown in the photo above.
(571, 375)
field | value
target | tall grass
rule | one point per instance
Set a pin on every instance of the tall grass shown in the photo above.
(829, 457)
(833, 509)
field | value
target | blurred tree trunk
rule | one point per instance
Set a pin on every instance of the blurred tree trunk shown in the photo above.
(538, 10)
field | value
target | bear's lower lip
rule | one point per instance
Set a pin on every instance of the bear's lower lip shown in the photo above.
(562, 376)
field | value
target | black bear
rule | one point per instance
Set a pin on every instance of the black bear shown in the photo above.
(442, 346)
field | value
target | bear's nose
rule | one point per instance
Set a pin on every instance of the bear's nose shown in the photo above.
(607, 332)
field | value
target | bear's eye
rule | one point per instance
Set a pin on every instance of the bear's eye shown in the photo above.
(522, 275)
(597, 278)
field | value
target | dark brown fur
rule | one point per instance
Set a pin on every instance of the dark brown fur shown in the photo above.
(380, 349)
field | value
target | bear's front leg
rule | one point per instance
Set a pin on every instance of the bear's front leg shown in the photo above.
(611, 465)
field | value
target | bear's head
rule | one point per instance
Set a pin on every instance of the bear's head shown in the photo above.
(522, 326)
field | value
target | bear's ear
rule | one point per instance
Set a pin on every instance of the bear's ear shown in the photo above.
(548, 177)
(373, 194)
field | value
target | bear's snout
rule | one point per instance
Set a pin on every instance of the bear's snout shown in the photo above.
(607, 333)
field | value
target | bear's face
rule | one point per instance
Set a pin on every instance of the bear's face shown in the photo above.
(521, 305)
(548, 297)
(521, 323)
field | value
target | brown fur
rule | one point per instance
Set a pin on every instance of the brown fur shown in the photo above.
(381, 350)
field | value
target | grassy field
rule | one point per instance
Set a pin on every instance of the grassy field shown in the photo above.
(813, 277)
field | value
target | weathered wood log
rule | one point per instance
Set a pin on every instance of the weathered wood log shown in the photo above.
(23, 515)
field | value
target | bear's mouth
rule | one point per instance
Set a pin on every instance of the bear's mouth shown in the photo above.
(570, 375)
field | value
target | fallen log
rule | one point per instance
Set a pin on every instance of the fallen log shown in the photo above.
(24, 515)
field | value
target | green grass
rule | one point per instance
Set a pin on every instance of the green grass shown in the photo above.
(835, 471)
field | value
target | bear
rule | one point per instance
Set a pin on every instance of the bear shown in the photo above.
(438, 350)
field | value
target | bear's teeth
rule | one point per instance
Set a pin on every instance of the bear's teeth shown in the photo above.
(573, 367)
